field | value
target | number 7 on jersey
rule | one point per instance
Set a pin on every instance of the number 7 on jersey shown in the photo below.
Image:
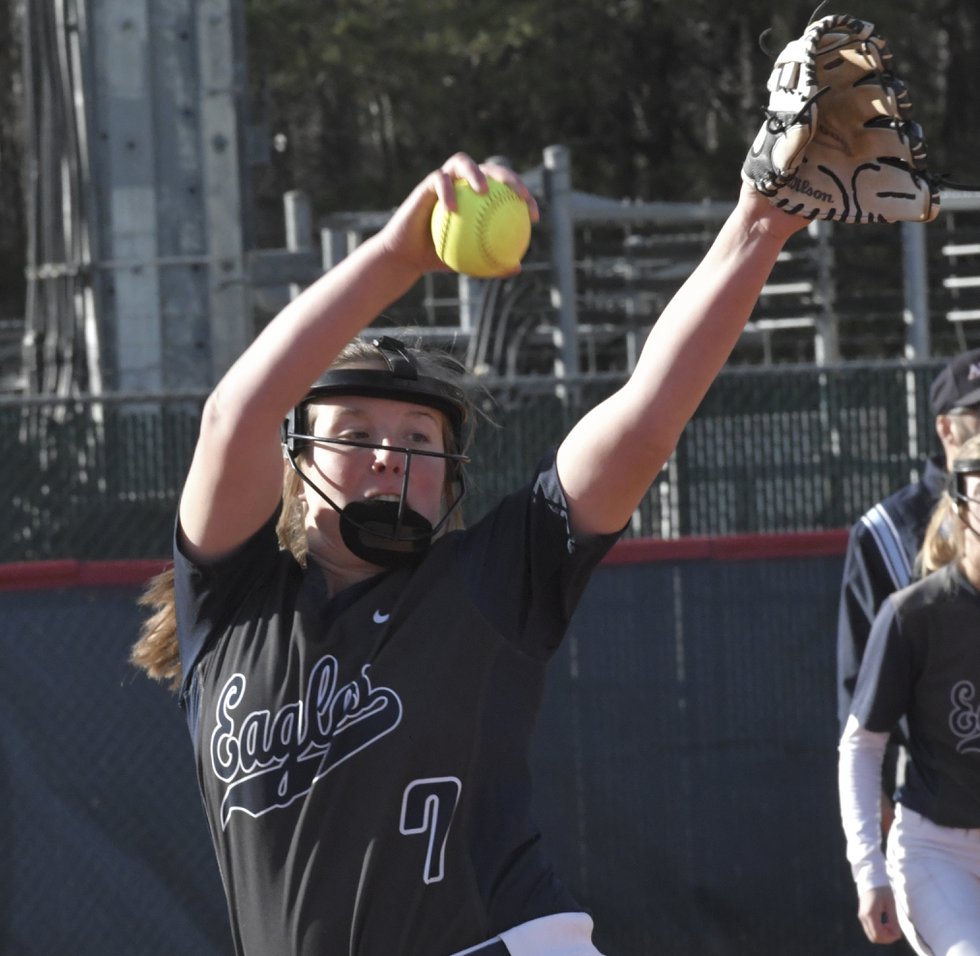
(428, 806)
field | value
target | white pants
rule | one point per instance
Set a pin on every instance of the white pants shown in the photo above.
(935, 875)
(564, 934)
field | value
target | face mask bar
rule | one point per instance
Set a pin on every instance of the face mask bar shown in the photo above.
(962, 469)
(386, 533)
(320, 440)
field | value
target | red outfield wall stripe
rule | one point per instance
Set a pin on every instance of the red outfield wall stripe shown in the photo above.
(34, 575)
(740, 547)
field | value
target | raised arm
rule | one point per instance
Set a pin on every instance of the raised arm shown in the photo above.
(235, 478)
(609, 459)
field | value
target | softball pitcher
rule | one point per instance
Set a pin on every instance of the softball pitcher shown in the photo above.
(361, 676)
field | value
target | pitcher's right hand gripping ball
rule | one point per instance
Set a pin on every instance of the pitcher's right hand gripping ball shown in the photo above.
(838, 142)
(488, 233)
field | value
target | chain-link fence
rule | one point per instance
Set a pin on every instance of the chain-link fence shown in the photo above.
(770, 449)
(93, 478)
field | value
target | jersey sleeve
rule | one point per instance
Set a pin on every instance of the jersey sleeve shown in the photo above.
(524, 567)
(886, 678)
(208, 594)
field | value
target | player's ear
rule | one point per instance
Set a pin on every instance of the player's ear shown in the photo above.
(949, 437)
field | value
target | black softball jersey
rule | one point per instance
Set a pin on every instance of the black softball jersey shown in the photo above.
(363, 758)
(923, 661)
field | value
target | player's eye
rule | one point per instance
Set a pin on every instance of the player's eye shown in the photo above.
(356, 434)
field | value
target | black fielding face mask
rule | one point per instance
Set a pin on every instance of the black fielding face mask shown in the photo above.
(385, 533)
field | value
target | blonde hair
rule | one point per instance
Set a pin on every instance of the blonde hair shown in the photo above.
(156, 651)
(944, 539)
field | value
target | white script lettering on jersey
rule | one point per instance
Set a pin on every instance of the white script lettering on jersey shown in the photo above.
(964, 719)
(269, 760)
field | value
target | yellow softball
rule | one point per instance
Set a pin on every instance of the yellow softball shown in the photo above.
(488, 234)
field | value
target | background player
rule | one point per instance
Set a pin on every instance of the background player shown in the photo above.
(922, 663)
(883, 545)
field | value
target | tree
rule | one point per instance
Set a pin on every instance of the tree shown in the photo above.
(653, 104)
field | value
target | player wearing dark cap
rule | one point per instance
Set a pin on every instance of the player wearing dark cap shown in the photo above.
(957, 387)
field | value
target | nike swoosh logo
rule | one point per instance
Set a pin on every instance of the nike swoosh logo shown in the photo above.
(380, 618)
